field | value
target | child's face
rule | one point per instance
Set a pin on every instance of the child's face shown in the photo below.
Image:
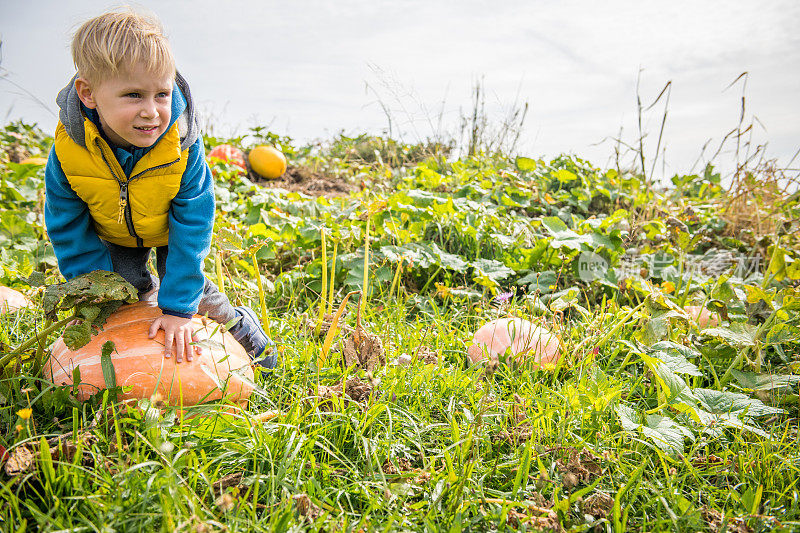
(134, 106)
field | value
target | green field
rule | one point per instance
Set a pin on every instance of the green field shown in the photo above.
(647, 422)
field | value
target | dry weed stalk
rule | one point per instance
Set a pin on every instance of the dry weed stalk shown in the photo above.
(756, 200)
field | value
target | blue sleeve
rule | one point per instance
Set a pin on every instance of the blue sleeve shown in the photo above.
(191, 223)
(78, 248)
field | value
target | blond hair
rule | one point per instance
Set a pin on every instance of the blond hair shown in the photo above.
(116, 41)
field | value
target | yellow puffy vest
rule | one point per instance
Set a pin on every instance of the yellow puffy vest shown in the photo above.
(126, 210)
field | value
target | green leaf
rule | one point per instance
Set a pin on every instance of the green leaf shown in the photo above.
(756, 294)
(97, 288)
(525, 164)
(563, 237)
(790, 300)
(736, 339)
(554, 225)
(77, 335)
(46, 461)
(777, 265)
(564, 176)
(793, 270)
(657, 328)
(765, 382)
(109, 374)
(492, 269)
(544, 282)
(90, 313)
(627, 417)
(413, 254)
(782, 333)
(76, 377)
(229, 240)
(674, 347)
(713, 422)
(674, 387)
(677, 363)
(36, 279)
(450, 261)
(724, 291)
(717, 402)
(666, 433)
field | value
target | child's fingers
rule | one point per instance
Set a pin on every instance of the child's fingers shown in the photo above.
(168, 338)
(197, 349)
(179, 345)
(154, 327)
(188, 348)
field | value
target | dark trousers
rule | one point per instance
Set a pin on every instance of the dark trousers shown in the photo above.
(131, 264)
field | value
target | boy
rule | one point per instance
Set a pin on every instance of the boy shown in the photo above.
(127, 173)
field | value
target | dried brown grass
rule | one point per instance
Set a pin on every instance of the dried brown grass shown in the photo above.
(756, 201)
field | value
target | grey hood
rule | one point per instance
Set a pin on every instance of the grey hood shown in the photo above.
(71, 116)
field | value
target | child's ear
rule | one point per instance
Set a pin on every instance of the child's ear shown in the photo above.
(84, 90)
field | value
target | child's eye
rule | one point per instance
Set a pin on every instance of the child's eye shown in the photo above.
(164, 95)
(132, 95)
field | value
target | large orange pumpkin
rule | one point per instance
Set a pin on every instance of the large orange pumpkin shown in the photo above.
(139, 362)
(12, 300)
(229, 154)
(520, 336)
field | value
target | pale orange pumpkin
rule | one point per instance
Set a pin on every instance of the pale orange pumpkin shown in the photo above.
(702, 316)
(139, 362)
(229, 154)
(12, 300)
(523, 338)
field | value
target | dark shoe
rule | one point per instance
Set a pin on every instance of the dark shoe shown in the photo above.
(249, 333)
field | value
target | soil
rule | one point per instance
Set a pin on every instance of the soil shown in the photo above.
(306, 181)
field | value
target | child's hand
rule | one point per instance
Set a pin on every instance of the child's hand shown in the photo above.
(177, 330)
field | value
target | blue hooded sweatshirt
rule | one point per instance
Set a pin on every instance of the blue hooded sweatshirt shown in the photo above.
(77, 247)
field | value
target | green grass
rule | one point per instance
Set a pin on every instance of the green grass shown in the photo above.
(624, 434)
(467, 448)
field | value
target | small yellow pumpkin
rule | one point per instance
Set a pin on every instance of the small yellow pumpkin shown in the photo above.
(267, 161)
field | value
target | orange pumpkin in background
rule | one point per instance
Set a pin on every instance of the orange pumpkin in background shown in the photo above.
(13, 300)
(229, 154)
(139, 362)
(702, 316)
(523, 338)
(267, 161)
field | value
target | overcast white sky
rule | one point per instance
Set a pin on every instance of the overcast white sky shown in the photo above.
(310, 69)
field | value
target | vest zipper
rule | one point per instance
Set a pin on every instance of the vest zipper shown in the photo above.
(124, 199)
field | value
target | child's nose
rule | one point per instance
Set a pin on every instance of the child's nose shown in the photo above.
(149, 109)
